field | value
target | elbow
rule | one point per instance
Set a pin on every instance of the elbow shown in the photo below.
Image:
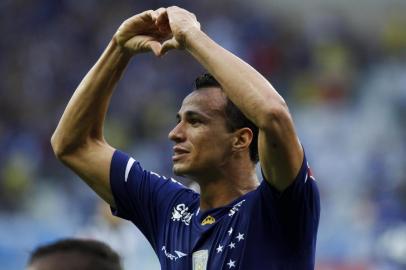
(62, 147)
(57, 147)
(65, 147)
(274, 115)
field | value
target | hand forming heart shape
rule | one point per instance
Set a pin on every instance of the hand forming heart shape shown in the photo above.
(157, 31)
(141, 33)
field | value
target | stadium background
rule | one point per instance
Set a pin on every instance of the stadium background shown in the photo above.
(339, 64)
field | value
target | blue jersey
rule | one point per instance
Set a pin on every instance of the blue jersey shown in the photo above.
(263, 229)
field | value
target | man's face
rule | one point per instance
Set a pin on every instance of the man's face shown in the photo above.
(202, 141)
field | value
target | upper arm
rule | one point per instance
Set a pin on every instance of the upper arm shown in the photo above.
(92, 163)
(280, 151)
(147, 198)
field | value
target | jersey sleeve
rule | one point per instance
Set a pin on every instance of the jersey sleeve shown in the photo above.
(141, 196)
(296, 210)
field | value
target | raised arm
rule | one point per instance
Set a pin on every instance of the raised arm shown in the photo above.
(280, 151)
(78, 140)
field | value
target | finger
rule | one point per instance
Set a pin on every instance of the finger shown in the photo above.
(155, 47)
(193, 15)
(169, 45)
(135, 20)
(157, 13)
(160, 11)
(162, 19)
(170, 11)
(162, 23)
(164, 28)
(143, 15)
(174, 7)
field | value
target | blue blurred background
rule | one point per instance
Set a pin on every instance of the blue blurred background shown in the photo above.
(341, 66)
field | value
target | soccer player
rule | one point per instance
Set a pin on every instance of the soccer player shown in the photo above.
(78, 254)
(231, 120)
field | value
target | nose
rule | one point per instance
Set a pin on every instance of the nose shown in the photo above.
(177, 133)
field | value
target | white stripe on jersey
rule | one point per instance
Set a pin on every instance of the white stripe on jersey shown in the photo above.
(128, 168)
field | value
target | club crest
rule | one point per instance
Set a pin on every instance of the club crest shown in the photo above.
(208, 220)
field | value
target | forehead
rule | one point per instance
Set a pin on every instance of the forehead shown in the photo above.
(210, 100)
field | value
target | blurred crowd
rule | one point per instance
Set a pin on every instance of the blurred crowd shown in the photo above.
(345, 87)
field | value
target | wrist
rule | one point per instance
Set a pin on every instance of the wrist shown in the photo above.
(118, 50)
(190, 36)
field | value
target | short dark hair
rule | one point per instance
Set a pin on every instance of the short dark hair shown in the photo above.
(235, 119)
(102, 257)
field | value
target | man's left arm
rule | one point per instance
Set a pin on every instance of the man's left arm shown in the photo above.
(280, 152)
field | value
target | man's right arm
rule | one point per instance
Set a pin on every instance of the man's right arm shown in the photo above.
(78, 140)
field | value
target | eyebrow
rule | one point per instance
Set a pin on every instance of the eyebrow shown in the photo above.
(189, 114)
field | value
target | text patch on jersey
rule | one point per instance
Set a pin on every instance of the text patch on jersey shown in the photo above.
(208, 220)
(200, 259)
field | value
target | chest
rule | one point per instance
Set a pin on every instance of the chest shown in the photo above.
(204, 241)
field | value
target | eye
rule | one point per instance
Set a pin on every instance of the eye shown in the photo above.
(195, 121)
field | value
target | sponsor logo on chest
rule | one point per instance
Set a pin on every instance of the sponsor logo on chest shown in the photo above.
(173, 257)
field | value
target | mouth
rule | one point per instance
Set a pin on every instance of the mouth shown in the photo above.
(179, 153)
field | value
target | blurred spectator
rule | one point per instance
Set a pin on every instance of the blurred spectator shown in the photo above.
(69, 254)
(122, 236)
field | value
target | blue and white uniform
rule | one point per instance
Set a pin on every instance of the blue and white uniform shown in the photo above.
(263, 229)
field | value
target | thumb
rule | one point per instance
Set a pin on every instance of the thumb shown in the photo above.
(169, 45)
(155, 47)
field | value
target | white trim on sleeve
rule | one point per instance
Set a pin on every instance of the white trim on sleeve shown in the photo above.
(128, 168)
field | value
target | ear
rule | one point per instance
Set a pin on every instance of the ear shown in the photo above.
(242, 139)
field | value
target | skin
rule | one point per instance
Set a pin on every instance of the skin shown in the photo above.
(224, 172)
(201, 131)
(280, 151)
(208, 153)
(78, 140)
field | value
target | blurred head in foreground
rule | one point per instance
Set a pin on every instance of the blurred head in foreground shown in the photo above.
(74, 254)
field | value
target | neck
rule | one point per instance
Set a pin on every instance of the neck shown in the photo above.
(226, 186)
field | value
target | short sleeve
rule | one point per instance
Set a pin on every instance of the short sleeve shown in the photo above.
(302, 191)
(141, 196)
(296, 210)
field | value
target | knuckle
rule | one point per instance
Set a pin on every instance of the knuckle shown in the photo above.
(149, 11)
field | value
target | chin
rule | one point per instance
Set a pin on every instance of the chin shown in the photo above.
(184, 170)
(179, 170)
